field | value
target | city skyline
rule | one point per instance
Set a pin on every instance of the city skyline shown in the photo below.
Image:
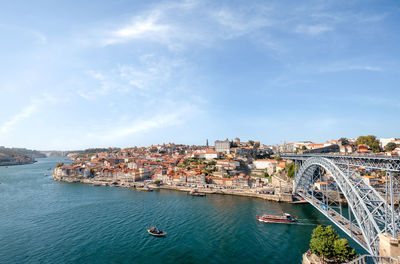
(98, 74)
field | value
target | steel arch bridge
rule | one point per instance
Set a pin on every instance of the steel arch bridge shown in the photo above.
(369, 212)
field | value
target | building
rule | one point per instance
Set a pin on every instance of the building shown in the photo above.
(211, 154)
(384, 141)
(222, 146)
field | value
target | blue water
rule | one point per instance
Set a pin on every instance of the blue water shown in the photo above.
(45, 221)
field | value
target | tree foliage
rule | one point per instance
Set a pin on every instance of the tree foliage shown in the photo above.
(157, 182)
(343, 252)
(370, 141)
(390, 146)
(290, 169)
(251, 142)
(344, 141)
(325, 243)
(59, 164)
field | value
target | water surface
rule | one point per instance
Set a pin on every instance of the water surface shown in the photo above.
(45, 221)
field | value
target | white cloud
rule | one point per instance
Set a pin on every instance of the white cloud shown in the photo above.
(164, 118)
(26, 112)
(313, 29)
(350, 67)
(148, 27)
(237, 23)
(14, 120)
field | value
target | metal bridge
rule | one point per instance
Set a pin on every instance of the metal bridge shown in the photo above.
(370, 211)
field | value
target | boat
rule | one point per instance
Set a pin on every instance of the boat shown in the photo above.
(144, 189)
(154, 231)
(284, 218)
(196, 193)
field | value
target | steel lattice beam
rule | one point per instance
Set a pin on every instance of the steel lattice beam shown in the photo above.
(372, 213)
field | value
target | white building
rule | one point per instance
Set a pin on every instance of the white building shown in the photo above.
(222, 146)
(384, 141)
(210, 154)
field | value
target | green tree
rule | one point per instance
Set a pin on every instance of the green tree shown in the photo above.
(157, 182)
(303, 148)
(390, 146)
(257, 144)
(370, 141)
(290, 169)
(326, 243)
(251, 142)
(343, 252)
(59, 164)
(344, 141)
(322, 241)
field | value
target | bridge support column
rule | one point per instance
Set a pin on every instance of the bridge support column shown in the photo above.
(389, 246)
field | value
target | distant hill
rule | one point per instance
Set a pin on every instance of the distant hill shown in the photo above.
(18, 156)
(22, 151)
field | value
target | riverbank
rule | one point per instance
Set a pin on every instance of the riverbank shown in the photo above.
(14, 163)
(254, 193)
(288, 198)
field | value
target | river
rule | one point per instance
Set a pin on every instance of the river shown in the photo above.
(45, 221)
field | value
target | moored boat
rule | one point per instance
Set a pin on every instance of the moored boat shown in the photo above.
(154, 231)
(284, 218)
(196, 193)
(145, 189)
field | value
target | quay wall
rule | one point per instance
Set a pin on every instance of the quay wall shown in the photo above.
(284, 197)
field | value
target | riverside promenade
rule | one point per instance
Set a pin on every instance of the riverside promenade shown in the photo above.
(261, 193)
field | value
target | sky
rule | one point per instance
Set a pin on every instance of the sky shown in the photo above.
(96, 73)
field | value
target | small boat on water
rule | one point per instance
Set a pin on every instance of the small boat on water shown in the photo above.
(284, 218)
(144, 189)
(154, 231)
(196, 193)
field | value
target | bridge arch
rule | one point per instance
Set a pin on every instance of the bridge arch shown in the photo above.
(367, 206)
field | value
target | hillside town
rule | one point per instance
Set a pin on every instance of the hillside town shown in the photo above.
(230, 166)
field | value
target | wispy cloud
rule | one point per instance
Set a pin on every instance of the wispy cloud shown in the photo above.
(37, 36)
(162, 119)
(149, 77)
(148, 27)
(350, 67)
(313, 29)
(237, 23)
(26, 112)
(17, 118)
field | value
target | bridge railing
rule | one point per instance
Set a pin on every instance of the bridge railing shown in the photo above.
(344, 155)
(370, 259)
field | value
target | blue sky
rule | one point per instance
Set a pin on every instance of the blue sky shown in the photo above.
(78, 74)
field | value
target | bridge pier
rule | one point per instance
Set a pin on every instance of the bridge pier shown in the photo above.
(389, 246)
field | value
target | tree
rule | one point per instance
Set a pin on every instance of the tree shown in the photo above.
(291, 170)
(390, 146)
(343, 252)
(251, 142)
(322, 241)
(59, 164)
(303, 148)
(344, 141)
(257, 144)
(370, 141)
(157, 182)
(326, 243)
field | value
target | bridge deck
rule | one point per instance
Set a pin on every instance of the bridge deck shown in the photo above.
(343, 223)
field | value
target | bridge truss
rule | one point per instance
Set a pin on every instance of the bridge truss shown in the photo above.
(369, 212)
